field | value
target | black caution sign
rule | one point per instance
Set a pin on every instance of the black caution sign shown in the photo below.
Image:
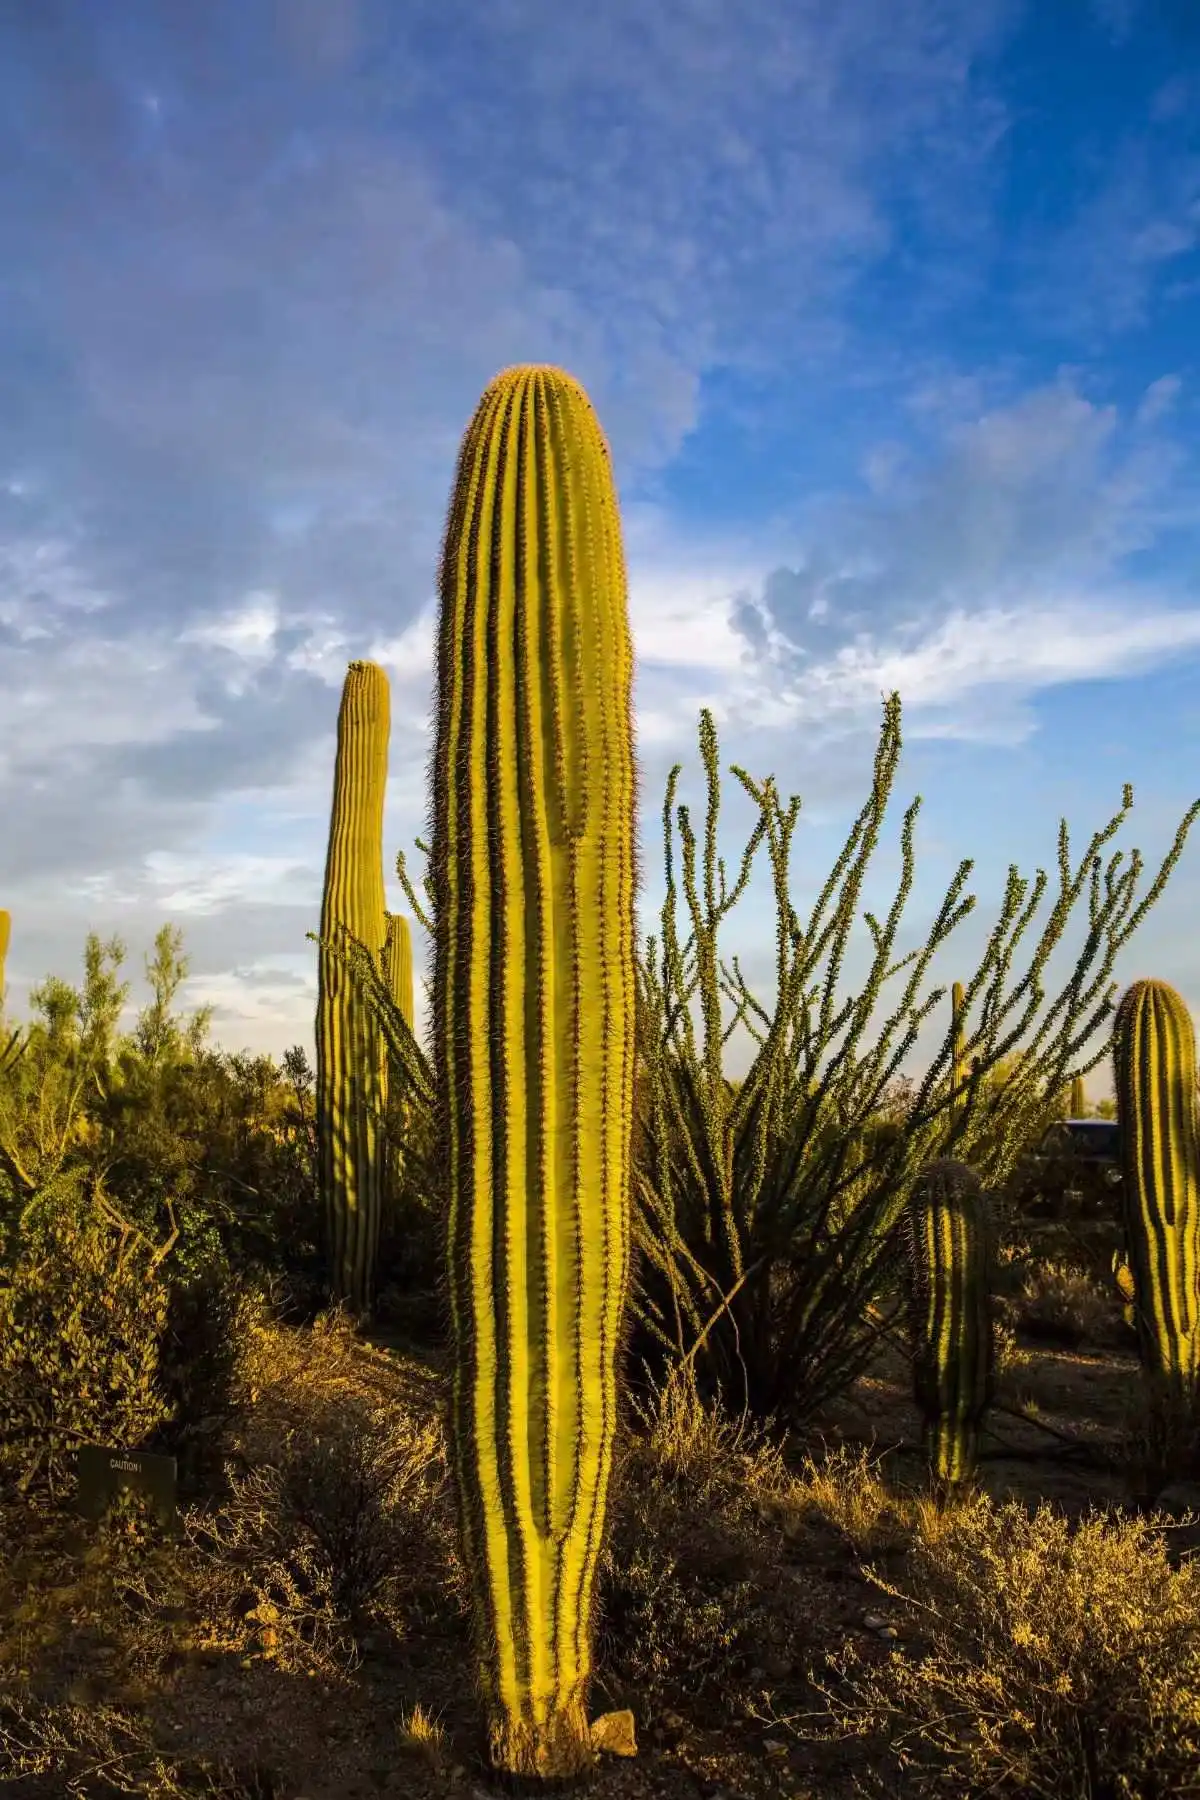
(105, 1473)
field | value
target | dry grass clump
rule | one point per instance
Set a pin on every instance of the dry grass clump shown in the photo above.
(1063, 1662)
(1062, 1305)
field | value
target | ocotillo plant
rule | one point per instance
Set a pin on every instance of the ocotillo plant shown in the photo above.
(959, 1067)
(1154, 1070)
(398, 975)
(350, 1074)
(949, 1240)
(533, 867)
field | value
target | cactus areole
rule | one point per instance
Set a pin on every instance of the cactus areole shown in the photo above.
(532, 858)
(1154, 1075)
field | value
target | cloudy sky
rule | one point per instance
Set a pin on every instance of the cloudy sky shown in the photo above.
(890, 312)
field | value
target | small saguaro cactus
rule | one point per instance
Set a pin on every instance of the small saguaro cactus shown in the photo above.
(351, 1079)
(1077, 1101)
(950, 1247)
(1154, 1071)
(533, 864)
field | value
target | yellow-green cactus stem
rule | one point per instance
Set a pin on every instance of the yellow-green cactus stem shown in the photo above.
(534, 870)
(950, 1243)
(1077, 1103)
(957, 1014)
(1154, 1070)
(397, 965)
(351, 1082)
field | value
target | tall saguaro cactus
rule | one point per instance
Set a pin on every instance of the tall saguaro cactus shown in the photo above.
(1154, 1071)
(950, 1243)
(533, 864)
(351, 1071)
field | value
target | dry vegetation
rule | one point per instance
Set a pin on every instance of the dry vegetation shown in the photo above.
(784, 1615)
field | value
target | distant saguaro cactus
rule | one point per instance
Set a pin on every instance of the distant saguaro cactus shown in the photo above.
(1154, 1072)
(950, 1244)
(351, 1079)
(1078, 1101)
(397, 965)
(533, 864)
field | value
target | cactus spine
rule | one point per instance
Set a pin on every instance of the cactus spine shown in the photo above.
(1154, 1068)
(949, 1237)
(350, 1076)
(533, 862)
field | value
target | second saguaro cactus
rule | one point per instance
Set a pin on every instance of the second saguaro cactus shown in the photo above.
(533, 864)
(1154, 1075)
(351, 1080)
(950, 1240)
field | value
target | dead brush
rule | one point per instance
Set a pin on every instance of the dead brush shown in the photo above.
(314, 1538)
(1062, 1305)
(1063, 1662)
(681, 1588)
(103, 1751)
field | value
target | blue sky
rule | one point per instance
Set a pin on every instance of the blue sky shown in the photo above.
(890, 312)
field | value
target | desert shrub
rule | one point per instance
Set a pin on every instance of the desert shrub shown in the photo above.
(680, 1604)
(82, 1310)
(318, 1531)
(1063, 1662)
(1061, 1304)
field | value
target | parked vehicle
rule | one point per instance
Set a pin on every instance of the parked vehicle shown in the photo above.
(1074, 1170)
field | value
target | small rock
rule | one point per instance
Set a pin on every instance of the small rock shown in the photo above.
(614, 1732)
(773, 1747)
(873, 1623)
(775, 1665)
(888, 1633)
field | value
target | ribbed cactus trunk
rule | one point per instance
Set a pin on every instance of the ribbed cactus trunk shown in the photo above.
(533, 862)
(950, 1245)
(351, 1082)
(1078, 1100)
(1154, 1071)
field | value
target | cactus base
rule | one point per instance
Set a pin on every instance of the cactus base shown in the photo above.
(557, 1748)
